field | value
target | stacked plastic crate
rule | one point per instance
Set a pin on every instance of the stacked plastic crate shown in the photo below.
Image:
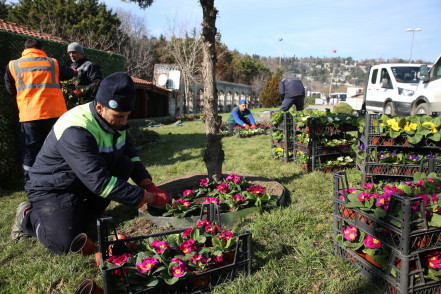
(282, 132)
(118, 279)
(374, 146)
(404, 234)
(313, 152)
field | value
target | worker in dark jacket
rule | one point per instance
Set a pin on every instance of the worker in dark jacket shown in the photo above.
(89, 73)
(34, 80)
(292, 93)
(85, 163)
(240, 116)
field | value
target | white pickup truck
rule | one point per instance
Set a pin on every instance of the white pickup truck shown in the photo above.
(390, 88)
(403, 89)
(427, 97)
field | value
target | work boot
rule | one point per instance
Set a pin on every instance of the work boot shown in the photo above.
(17, 233)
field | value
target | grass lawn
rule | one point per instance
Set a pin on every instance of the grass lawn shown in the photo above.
(292, 246)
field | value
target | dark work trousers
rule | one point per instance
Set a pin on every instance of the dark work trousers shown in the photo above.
(33, 134)
(298, 101)
(232, 125)
(56, 220)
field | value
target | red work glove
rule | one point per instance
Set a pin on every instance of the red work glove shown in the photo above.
(246, 126)
(77, 93)
(254, 126)
(160, 197)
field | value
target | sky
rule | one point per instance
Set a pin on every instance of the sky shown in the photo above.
(360, 29)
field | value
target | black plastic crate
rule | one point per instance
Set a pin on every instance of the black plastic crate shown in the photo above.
(315, 127)
(308, 167)
(405, 279)
(409, 236)
(286, 123)
(400, 170)
(314, 148)
(287, 140)
(239, 265)
(371, 136)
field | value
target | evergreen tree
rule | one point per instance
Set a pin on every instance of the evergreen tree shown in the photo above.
(270, 93)
(85, 21)
(3, 9)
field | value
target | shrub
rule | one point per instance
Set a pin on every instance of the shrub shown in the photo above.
(342, 108)
(270, 93)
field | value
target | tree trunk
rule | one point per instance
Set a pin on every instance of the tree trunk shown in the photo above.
(213, 155)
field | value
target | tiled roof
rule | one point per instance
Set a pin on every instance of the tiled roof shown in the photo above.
(138, 81)
(15, 28)
(143, 84)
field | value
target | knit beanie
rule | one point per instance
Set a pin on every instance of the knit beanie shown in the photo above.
(243, 101)
(75, 47)
(117, 92)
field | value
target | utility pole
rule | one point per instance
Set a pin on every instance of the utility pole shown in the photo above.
(280, 56)
(411, 44)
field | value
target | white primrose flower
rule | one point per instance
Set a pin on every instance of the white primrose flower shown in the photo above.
(341, 158)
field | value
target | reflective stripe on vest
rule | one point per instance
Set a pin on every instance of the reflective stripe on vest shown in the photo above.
(19, 70)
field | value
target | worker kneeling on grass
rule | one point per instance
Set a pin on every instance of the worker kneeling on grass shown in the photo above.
(85, 163)
(241, 116)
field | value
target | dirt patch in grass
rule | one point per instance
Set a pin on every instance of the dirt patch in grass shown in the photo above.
(176, 186)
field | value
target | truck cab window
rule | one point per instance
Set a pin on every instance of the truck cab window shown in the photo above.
(374, 76)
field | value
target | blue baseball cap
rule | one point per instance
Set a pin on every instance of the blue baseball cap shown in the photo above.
(243, 101)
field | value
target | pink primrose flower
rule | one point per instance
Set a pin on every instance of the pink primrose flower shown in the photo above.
(187, 246)
(371, 242)
(234, 178)
(147, 265)
(256, 189)
(179, 270)
(434, 260)
(212, 200)
(198, 258)
(183, 202)
(177, 260)
(203, 182)
(160, 246)
(187, 232)
(226, 235)
(186, 192)
(202, 223)
(419, 183)
(238, 198)
(218, 260)
(438, 186)
(210, 229)
(430, 179)
(350, 233)
(223, 188)
(118, 260)
(434, 198)
(364, 196)
(368, 186)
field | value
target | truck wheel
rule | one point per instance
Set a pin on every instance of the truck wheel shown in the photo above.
(423, 108)
(389, 109)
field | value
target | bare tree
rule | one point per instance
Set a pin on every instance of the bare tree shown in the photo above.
(133, 43)
(185, 47)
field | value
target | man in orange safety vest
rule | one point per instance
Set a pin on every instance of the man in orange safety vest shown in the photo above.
(35, 81)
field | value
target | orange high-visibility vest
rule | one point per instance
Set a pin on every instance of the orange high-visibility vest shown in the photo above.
(36, 78)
